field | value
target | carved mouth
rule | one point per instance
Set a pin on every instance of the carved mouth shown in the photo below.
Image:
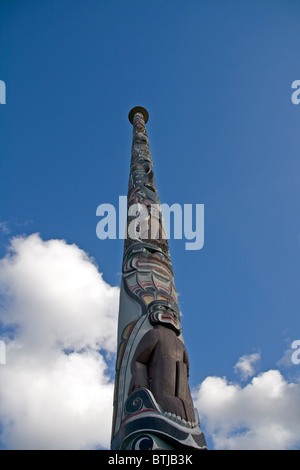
(180, 420)
(169, 318)
(151, 412)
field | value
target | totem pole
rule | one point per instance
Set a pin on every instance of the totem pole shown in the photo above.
(153, 408)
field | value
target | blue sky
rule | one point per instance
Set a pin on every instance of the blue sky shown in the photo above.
(216, 79)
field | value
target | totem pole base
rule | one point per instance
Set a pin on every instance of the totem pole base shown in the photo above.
(146, 427)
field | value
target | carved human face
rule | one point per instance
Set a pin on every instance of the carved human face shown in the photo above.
(164, 314)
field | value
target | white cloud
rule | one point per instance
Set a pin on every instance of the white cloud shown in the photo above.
(265, 414)
(55, 293)
(245, 365)
(55, 392)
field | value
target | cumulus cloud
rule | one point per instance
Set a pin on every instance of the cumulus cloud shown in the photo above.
(55, 390)
(59, 316)
(246, 365)
(265, 414)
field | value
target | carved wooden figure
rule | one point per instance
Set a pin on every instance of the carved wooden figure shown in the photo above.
(153, 407)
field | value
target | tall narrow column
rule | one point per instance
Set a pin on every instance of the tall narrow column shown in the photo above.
(153, 408)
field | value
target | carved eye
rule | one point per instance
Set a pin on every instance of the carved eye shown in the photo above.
(142, 442)
(159, 307)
